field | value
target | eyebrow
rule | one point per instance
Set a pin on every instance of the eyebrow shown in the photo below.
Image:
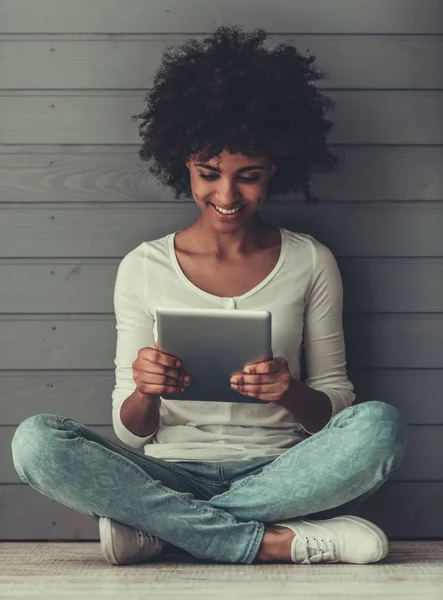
(239, 171)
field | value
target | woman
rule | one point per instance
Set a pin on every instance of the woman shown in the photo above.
(229, 123)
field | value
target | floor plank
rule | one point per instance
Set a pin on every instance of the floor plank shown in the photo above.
(31, 570)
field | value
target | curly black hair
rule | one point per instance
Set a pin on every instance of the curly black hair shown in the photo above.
(229, 93)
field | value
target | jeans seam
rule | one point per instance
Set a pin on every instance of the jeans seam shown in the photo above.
(200, 480)
(136, 468)
(279, 458)
(170, 463)
(394, 469)
(284, 455)
(255, 543)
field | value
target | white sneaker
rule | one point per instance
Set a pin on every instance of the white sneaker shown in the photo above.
(345, 539)
(124, 545)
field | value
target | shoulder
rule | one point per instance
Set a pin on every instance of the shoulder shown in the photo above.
(131, 262)
(310, 248)
(134, 262)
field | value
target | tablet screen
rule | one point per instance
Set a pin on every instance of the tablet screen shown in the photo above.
(213, 344)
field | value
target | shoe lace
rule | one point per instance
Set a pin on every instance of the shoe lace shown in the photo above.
(149, 541)
(317, 550)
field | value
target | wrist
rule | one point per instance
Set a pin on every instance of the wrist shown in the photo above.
(287, 399)
(150, 397)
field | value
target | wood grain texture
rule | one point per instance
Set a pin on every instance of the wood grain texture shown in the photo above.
(423, 459)
(371, 285)
(156, 16)
(76, 198)
(411, 570)
(86, 395)
(108, 174)
(391, 341)
(349, 230)
(129, 61)
(96, 117)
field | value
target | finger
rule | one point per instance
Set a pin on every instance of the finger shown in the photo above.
(157, 356)
(267, 388)
(150, 378)
(148, 366)
(268, 396)
(158, 389)
(269, 366)
(243, 379)
(172, 360)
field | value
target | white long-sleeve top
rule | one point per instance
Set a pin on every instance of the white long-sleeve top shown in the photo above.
(304, 294)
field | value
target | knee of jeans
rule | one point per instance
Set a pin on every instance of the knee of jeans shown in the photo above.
(385, 424)
(27, 434)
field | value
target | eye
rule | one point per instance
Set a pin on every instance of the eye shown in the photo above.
(212, 177)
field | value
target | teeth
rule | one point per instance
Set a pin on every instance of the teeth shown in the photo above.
(227, 212)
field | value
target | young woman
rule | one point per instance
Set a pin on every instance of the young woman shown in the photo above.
(229, 123)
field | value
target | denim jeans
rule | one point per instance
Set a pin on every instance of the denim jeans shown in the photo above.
(214, 512)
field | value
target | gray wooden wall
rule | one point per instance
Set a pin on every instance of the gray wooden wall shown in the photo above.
(75, 199)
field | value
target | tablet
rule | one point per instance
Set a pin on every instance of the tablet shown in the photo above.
(212, 345)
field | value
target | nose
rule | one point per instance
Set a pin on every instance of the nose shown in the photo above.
(227, 195)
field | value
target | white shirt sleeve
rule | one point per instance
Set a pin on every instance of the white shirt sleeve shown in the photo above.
(134, 327)
(324, 345)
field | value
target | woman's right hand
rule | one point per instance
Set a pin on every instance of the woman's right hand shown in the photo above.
(155, 373)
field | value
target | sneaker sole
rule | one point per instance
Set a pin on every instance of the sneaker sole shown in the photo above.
(106, 540)
(373, 528)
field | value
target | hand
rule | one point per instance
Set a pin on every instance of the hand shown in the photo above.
(155, 373)
(267, 380)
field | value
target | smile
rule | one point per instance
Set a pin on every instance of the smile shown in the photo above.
(231, 211)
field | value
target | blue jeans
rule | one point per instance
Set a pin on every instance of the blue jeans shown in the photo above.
(213, 512)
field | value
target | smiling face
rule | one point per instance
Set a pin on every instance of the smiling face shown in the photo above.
(234, 181)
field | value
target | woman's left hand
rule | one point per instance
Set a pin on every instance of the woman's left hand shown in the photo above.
(267, 380)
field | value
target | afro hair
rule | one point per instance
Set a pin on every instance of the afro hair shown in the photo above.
(228, 93)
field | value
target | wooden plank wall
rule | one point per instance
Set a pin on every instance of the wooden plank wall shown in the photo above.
(75, 199)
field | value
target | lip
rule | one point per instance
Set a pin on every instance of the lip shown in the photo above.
(230, 208)
(232, 217)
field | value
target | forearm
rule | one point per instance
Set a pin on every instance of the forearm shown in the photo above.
(140, 414)
(311, 408)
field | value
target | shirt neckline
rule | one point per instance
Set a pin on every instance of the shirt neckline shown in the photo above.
(254, 290)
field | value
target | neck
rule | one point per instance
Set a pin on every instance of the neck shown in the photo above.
(227, 242)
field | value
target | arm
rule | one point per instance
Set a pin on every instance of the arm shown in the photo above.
(327, 390)
(311, 408)
(141, 414)
(135, 417)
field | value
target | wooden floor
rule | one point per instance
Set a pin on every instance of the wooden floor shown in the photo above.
(77, 571)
